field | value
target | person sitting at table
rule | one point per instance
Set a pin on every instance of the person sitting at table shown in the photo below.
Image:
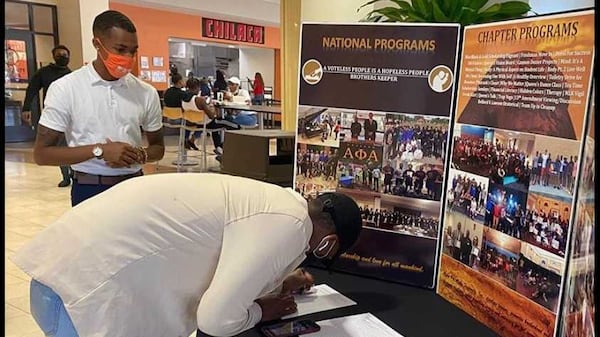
(173, 98)
(239, 96)
(205, 90)
(195, 102)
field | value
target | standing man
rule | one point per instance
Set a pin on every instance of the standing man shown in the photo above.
(355, 128)
(101, 110)
(370, 128)
(42, 80)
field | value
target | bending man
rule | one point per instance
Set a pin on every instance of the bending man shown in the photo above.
(153, 257)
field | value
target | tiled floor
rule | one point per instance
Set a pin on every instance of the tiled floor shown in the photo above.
(33, 201)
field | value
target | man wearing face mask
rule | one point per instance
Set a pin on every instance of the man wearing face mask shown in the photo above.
(42, 80)
(100, 109)
(153, 257)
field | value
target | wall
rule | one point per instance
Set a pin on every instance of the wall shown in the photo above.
(69, 30)
(333, 10)
(75, 18)
(546, 7)
(88, 10)
(153, 34)
(254, 60)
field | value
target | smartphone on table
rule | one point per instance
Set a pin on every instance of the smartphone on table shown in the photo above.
(288, 329)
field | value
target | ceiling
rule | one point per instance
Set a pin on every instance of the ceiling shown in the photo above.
(258, 12)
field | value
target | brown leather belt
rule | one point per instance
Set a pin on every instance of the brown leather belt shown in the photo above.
(92, 179)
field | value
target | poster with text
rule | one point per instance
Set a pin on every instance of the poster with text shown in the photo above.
(15, 54)
(522, 101)
(374, 110)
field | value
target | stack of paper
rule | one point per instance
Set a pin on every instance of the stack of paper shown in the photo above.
(362, 325)
(319, 298)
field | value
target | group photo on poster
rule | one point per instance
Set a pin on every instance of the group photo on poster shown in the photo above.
(315, 169)
(503, 156)
(540, 276)
(319, 126)
(483, 249)
(467, 193)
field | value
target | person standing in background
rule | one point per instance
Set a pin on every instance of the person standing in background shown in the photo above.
(370, 126)
(42, 80)
(355, 128)
(258, 89)
(220, 83)
(101, 110)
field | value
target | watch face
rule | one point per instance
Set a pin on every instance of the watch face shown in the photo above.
(97, 151)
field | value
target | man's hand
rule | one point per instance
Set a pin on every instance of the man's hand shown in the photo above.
(119, 154)
(298, 281)
(276, 306)
(26, 116)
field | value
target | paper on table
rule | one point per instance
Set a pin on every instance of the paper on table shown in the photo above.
(362, 325)
(319, 298)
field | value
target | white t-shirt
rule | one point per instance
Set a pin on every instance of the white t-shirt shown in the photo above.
(88, 110)
(242, 96)
(191, 105)
(164, 254)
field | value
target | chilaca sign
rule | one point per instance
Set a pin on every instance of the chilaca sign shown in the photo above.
(232, 31)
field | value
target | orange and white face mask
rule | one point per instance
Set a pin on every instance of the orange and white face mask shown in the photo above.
(117, 65)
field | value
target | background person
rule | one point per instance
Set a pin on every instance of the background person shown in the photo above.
(238, 95)
(258, 89)
(180, 267)
(194, 101)
(173, 98)
(220, 84)
(99, 109)
(42, 80)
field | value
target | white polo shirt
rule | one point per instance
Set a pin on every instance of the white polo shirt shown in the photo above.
(161, 255)
(88, 110)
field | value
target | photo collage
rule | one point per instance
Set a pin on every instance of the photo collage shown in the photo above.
(508, 204)
(392, 164)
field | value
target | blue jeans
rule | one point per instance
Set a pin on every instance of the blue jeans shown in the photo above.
(258, 99)
(48, 310)
(245, 120)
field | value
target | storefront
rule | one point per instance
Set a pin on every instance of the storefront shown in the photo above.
(31, 33)
(201, 45)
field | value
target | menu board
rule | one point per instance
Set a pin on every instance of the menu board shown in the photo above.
(516, 158)
(373, 116)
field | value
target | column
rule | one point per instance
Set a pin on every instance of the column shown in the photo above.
(290, 43)
(75, 19)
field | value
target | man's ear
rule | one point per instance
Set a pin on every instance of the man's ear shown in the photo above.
(95, 43)
(332, 240)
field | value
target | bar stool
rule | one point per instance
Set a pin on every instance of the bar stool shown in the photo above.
(197, 118)
(174, 118)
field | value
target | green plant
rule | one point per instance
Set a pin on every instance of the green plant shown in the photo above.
(465, 12)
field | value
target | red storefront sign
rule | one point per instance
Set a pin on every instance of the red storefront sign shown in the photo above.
(232, 31)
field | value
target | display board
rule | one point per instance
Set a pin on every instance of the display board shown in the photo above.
(519, 124)
(374, 110)
(579, 302)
